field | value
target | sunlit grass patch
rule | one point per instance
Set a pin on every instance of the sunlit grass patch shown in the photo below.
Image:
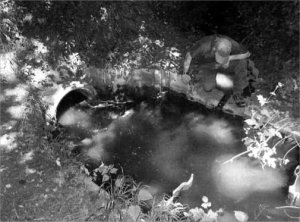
(8, 67)
(27, 157)
(18, 93)
(8, 125)
(8, 141)
(16, 111)
(2, 98)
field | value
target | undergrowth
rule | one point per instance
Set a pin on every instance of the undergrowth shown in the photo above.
(37, 133)
(126, 200)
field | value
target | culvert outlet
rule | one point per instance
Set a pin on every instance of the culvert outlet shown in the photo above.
(60, 98)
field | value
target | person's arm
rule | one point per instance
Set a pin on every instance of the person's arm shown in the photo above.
(203, 46)
(239, 56)
(187, 62)
(238, 51)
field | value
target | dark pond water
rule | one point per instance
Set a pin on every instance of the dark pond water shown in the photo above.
(162, 143)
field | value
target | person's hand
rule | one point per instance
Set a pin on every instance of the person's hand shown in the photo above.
(185, 71)
(226, 65)
(239, 56)
(185, 79)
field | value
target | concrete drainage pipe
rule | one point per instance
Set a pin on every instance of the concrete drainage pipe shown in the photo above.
(60, 98)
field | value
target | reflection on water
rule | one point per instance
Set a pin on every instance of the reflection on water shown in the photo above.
(242, 177)
(162, 145)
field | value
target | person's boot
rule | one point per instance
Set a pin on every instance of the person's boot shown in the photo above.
(223, 101)
(239, 100)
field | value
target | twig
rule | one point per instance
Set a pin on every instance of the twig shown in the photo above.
(297, 145)
(280, 141)
(262, 208)
(281, 120)
(236, 156)
(243, 40)
(277, 130)
(268, 122)
(15, 210)
(289, 152)
(288, 215)
(182, 187)
(288, 207)
(248, 151)
(41, 218)
(296, 140)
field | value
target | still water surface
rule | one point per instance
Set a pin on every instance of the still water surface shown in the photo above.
(162, 144)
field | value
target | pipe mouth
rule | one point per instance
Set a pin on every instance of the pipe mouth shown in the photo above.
(71, 99)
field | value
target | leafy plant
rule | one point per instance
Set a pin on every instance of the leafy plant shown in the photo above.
(261, 128)
(124, 195)
(9, 31)
(105, 171)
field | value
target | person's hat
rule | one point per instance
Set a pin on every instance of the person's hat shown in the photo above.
(223, 49)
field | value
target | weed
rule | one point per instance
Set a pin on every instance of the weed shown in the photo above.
(261, 128)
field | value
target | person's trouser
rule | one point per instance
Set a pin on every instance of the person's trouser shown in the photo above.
(206, 76)
(240, 71)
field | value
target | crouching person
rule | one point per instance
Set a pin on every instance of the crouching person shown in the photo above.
(221, 54)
